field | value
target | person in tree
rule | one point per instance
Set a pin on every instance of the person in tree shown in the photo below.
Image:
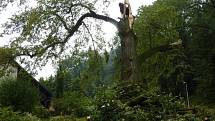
(124, 9)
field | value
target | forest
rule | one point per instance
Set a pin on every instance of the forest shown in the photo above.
(159, 65)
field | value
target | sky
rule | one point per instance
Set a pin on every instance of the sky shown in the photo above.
(108, 28)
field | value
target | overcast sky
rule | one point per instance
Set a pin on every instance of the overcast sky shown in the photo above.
(108, 28)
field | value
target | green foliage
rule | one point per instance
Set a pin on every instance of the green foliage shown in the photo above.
(201, 50)
(167, 21)
(60, 78)
(6, 58)
(169, 71)
(91, 73)
(156, 26)
(153, 107)
(49, 83)
(20, 95)
(92, 76)
(157, 106)
(7, 114)
(47, 26)
(41, 112)
(73, 103)
(6, 55)
(83, 72)
(107, 105)
(63, 118)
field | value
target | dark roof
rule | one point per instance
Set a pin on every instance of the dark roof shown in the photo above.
(22, 72)
(6, 55)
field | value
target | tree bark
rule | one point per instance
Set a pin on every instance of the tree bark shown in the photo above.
(129, 82)
(128, 52)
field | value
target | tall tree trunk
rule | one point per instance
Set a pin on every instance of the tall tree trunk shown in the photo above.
(128, 52)
(129, 83)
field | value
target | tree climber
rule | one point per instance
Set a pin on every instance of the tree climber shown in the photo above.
(125, 10)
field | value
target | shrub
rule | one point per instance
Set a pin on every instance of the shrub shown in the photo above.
(149, 106)
(20, 95)
(41, 112)
(7, 114)
(110, 108)
(63, 118)
(73, 103)
(107, 105)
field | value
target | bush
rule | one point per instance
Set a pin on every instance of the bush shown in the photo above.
(155, 106)
(41, 112)
(73, 103)
(7, 114)
(20, 95)
(108, 108)
(63, 118)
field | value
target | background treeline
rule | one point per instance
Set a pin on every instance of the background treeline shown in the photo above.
(168, 21)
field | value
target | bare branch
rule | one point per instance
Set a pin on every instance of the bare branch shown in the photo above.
(79, 23)
(79, 4)
(63, 22)
(141, 58)
(93, 15)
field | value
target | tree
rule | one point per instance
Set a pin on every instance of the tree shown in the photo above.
(84, 71)
(163, 61)
(192, 23)
(60, 79)
(156, 25)
(48, 27)
(200, 47)
(6, 57)
(21, 95)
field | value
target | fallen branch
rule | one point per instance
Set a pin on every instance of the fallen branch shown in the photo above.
(147, 54)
